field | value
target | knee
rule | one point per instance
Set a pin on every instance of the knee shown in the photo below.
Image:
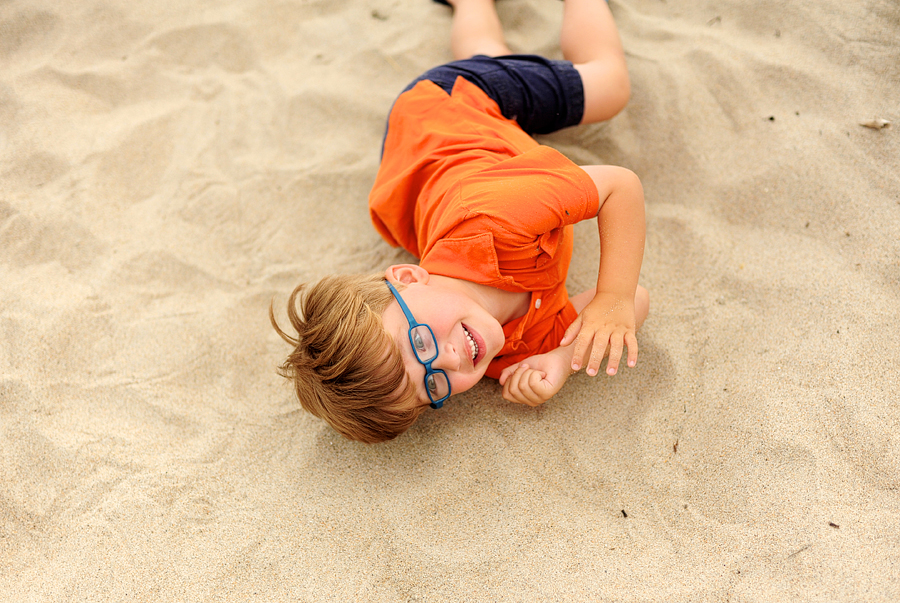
(607, 89)
(620, 86)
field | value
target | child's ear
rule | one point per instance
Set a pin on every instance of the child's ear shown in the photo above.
(406, 274)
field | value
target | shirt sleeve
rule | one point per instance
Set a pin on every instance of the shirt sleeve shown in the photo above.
(533, 193)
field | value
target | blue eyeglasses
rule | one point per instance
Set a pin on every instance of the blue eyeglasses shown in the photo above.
(424, 345)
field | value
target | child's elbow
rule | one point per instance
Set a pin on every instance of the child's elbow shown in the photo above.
(630, 183)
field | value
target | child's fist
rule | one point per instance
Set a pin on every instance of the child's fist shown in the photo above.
(535, 380)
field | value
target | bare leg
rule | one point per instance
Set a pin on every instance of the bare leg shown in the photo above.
(476, 29)
(590, 40)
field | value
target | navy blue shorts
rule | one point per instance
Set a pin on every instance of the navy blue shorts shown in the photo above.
(542, 95)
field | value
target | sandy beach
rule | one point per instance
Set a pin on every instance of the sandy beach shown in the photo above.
(168, 168)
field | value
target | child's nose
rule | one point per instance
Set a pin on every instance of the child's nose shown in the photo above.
(448, 358)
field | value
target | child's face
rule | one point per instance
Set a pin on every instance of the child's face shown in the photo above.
(457, 321)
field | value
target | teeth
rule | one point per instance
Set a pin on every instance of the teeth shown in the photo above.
(473, 347)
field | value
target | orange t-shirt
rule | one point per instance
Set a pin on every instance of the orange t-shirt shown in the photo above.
(471, 195)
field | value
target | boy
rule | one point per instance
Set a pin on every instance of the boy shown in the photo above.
(464, 187)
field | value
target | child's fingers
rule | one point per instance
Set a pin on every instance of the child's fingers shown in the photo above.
(615, 354)
(581, 347)
(504, 375)
(571, 332)
(521, 386)
(531, 386)
(511, 385)
(598, 351)
(631, 342)
(510, 382)
(536, 388)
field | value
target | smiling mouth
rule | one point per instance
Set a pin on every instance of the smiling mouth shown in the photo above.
(474, 348)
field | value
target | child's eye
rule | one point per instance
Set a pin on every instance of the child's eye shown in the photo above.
(418, 341)
(431, 383)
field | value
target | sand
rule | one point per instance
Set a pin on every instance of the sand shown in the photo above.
(167, 168)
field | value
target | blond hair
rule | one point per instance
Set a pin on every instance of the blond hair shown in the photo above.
(345, 368)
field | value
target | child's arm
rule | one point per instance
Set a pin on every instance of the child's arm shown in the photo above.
(609, 318)
(538, 378)
(606, 319)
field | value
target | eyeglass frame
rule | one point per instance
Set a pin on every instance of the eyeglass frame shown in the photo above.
(413, 323)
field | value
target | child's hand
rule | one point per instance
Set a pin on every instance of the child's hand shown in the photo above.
(607, 322)
(535, 380)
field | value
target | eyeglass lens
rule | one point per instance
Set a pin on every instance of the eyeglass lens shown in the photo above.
(426, 350)
(423, 343)
(438, 385)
